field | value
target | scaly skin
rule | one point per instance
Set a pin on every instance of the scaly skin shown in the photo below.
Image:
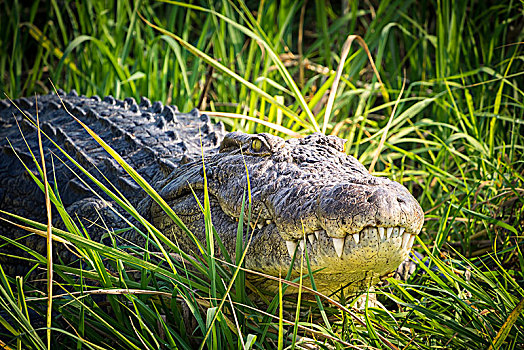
(304, 192)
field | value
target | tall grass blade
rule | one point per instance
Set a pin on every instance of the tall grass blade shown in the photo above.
(49, 240)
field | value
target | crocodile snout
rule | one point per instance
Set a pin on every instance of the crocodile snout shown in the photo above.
(393, 205)
(351, 210)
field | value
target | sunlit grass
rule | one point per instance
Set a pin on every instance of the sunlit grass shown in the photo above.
(455, 140)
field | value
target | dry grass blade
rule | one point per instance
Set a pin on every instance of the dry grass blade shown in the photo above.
(235, 318)
(334, 87)
(506, 327)
(115, 291)
(385, 132)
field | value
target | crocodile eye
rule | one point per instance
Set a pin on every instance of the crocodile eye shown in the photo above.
(256, 145)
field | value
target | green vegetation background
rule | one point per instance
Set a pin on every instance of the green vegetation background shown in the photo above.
(455, 140)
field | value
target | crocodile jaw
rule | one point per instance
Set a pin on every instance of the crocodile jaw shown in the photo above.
(361, 263)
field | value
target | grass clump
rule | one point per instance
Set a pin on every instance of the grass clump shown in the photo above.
(453, 135)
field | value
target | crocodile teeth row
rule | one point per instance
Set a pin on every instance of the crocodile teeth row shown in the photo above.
(292, 245)
(338, 243)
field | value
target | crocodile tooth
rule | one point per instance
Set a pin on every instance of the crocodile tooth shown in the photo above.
(405, 240)
(381, 231)
(291, 247)
(389, 231)
(311, 238)
(318, 232)
(339, 245)
(356, 237)
(302, 244)
(411, 240)
(268, 222)
(402, 229)
(260, 226)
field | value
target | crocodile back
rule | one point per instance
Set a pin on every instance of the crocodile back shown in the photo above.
(154, 139)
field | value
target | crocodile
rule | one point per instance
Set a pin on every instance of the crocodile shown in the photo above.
(305, 193)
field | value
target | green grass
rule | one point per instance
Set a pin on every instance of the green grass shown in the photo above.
(456, 140)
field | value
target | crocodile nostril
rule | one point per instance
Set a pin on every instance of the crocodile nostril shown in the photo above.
(401, 200)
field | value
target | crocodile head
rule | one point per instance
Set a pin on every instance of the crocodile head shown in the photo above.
(304, 193)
